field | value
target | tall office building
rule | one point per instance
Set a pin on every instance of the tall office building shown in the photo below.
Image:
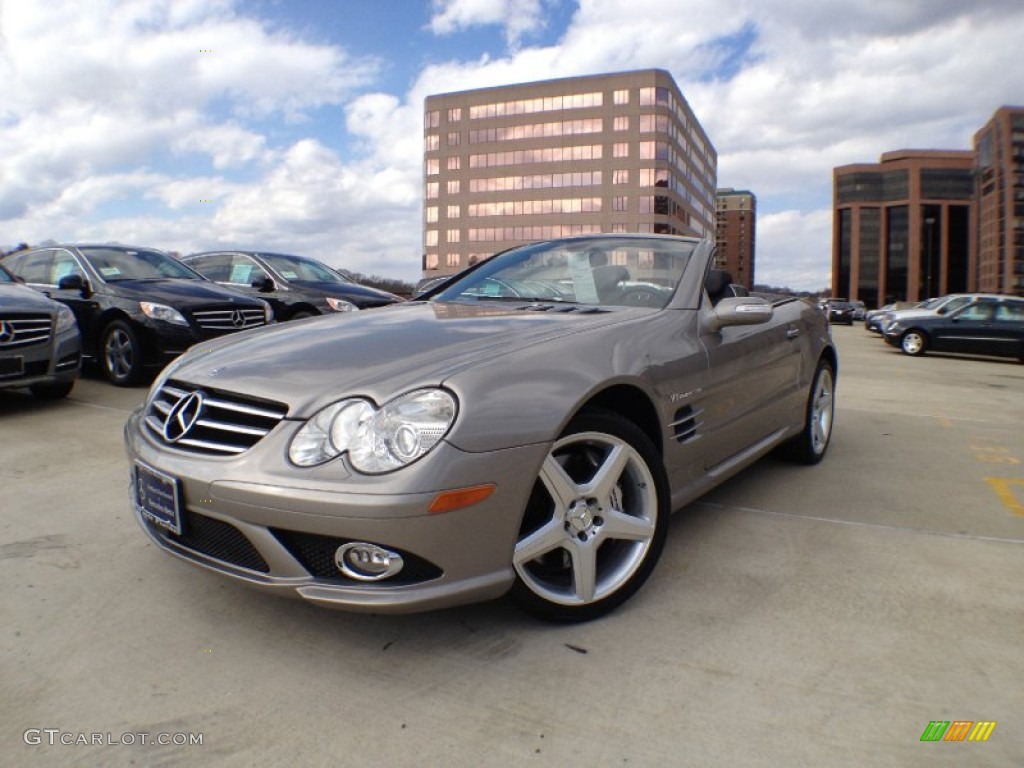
(736, 221)
(999, 170)
(902, 227)
(604, 153)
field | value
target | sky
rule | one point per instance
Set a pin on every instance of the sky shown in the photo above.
(296, 125)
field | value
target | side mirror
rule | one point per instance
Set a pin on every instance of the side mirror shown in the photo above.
(740, 310)
(263, 284)
(74, 283)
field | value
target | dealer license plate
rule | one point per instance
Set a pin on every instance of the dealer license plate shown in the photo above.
(158, 497)
(11, 366)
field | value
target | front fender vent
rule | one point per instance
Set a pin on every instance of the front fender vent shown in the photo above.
(686, 424)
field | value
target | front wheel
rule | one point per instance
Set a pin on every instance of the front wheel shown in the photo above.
(121, 354)
(595, 523)
(810, 445)
(913, 343)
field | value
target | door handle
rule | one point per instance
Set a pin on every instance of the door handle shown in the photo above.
(792, 333)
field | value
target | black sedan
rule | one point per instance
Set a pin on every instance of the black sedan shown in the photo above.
(295, 286)
(137, 308)
(39, 342)
(840, 311)
(993, 325)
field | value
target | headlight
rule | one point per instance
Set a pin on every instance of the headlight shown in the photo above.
(268, 312)
(65, 319)
(162, 312)
(377, 440)
(340, 305)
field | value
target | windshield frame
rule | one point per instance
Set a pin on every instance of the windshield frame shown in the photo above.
(275, 262)
(89, 253)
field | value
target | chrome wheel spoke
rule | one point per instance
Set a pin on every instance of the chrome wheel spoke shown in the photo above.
(619, 525)
(558, 484)
(608, 474)
(584, 570)
(545, 539)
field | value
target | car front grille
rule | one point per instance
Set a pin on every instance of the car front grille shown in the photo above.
(214, 538)
(23, 330)
(229, 319)
(210, 421)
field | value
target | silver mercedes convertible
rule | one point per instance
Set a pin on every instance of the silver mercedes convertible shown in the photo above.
(526, 428)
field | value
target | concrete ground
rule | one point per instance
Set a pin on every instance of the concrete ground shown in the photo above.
(799, 616)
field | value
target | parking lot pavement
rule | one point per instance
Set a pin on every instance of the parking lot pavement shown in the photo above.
(799, 617)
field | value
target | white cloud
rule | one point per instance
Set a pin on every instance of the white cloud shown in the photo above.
(792, 247)
(518, 17)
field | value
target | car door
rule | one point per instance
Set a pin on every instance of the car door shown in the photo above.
(753, 378)
(967, 330)
(1008, 328)
(81, 300)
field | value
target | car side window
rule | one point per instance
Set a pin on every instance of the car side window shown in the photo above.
(36, 267)
(245, 271)
(64, 264)
(979, 311)
(1010, 312)
(214, 267)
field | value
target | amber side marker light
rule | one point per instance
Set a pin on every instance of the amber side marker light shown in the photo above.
(448, 501)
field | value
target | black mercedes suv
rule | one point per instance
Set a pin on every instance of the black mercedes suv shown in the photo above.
(137, 308)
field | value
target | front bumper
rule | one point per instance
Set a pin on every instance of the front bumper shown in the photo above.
(55, 362)
(275, 527)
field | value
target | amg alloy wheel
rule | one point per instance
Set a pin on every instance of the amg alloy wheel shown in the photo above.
(595, 523)
(810, 445)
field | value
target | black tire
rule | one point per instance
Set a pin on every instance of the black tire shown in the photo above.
(54, 391)
(810, 445)
(914, 342)
(581, 557)
(121, 355)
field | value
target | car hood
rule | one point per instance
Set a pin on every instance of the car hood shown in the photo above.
(15, 296)
(911, 314)
(178, 292)
(378, 354)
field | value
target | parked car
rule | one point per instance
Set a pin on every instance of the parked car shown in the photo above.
(295, 286)
(451, 450)
(874, 318)
(940, 305)
(989, 325)
(859, 310)
(40, 347)
(839, 311)
(137, 308)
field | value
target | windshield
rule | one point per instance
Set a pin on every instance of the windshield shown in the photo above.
(301, 268)
(116, 264)
(5, 277)
(617, 271)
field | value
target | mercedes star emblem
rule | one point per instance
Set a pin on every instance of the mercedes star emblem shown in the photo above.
(183, 416)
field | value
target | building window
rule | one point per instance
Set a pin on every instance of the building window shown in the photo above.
(453, 187)
(621, 123)
(621, 149)
(620, 176)
(432, 190)
(451, 260)
(432, 119)
(454, 211)
(452, 236)
(431, 142)
(621, 97)
(529, 106)
(430, 261)
(430, 237)
(620, 204)
(454, 114)
(430, 214)
(433, 166)
(453, 139)
(618, 229)
(454, 163)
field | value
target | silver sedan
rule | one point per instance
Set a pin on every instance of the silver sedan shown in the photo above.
(526, 428)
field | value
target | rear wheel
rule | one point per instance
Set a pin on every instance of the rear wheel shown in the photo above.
(913, 342)
(595, 523)
(121, 354)
(810, 445)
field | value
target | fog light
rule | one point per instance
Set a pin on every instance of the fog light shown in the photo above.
(367, 562)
